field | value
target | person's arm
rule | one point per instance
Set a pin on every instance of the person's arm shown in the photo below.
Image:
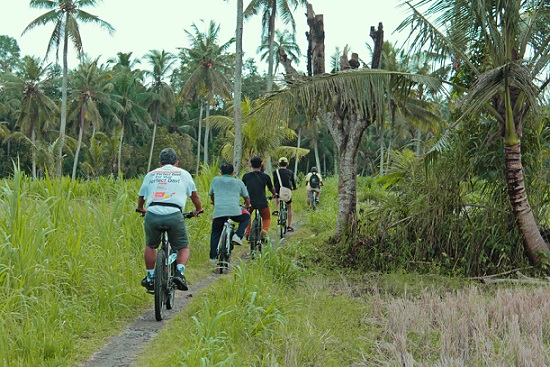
(141, 205)
(195, 199)
(247, 203)
(292, 180)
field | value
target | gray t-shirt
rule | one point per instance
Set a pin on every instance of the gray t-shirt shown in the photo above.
(227, 193)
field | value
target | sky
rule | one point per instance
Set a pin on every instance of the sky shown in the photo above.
(144, 25)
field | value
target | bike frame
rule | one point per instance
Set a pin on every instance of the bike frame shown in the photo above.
(224, 245)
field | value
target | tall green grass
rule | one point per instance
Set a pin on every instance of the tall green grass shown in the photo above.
(69, 260)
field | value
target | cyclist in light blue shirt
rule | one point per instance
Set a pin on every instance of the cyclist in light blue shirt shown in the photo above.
(225, 193)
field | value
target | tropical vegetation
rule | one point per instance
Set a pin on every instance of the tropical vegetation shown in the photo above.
(436, 159)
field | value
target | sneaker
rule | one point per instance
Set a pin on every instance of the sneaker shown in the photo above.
(276, 212)
(180, 281)
(148, 284)
(236, 240)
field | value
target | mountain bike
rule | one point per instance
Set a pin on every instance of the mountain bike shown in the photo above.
(282, 218)
(225, 246)
(164, 288)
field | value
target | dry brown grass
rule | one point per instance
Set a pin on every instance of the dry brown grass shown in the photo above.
(468, 327)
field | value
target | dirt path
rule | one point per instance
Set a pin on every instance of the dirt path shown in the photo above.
(121, 350)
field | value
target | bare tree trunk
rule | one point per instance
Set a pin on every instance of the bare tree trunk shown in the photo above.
(79, 142)
(297, 146)
(206, 133)
(237, 117)
(119, 161)
(534, 244)
(199, 137)
(153, 138)
(33, 140)
(64, 86)
(271, 28)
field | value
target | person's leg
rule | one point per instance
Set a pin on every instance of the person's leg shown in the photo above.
(265, 213)
(289, 210)
(309, 195)
(217, 227)
(150, 256)
(243, 220)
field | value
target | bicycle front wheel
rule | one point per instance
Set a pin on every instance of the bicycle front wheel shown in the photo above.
(282, 220)
(160, 284)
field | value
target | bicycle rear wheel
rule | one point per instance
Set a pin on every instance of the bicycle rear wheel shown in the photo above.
(255, 236)
(313, 202)
(282, 219)
(160, 284)
(223, 250)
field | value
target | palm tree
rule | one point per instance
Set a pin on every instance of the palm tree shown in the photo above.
(509, 81)
(162, 96)
(285, 40)
(351, 101)
(270, 10)
(130, 94)
(92, 88)
(258, 139)
(37, 110)
(208, 65)
(65, 15)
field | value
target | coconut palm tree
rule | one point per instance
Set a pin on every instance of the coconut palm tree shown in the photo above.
(209, 66)
(349, 101)
(270, 10)
(509, 81)
(131, 94)
(162, 97)
(287, 41)
(92, 88)
(37, 110)
(65, 15)
(258, 139)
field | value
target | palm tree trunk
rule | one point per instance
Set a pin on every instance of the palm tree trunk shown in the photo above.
(206, 133)
(237, 117)
(199, 137)
(271, 46)
(534, 244)
(79, 143)
(154, 135)
(33, 138)
(64, 86)
(297, 146)
(381, 150)
(316, 152)
(119, 160)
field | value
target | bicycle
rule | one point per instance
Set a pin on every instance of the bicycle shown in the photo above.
(314, 200)
(282, 218)
(255, 237)
(224, 245)
(164, 288)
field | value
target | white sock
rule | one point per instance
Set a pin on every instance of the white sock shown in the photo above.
(150, 274)
(181, 268)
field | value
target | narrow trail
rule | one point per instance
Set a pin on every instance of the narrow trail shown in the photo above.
(121, 350)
